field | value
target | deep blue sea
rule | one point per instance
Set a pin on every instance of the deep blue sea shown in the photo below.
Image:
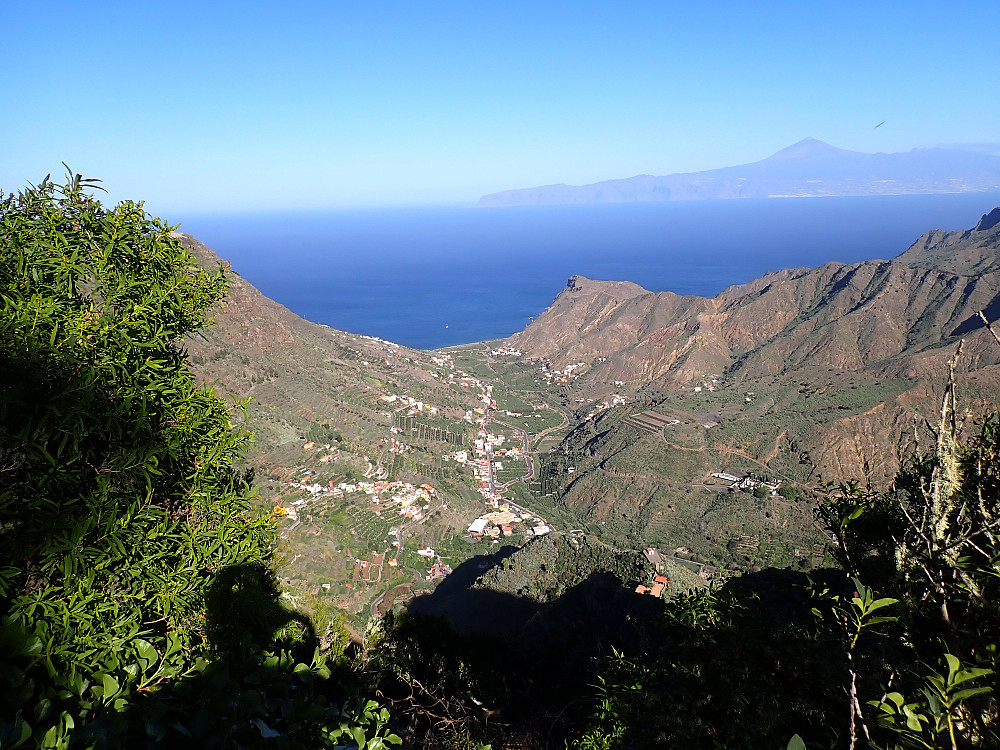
(433, 277)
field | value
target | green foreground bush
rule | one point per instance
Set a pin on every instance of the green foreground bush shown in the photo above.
(137, 601)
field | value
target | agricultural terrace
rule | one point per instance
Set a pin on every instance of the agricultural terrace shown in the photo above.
(475, 362)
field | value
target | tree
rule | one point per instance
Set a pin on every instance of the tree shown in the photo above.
(932, 542)
(133, 561)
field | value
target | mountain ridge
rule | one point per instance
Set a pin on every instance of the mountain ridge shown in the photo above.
(867, 323)
(958, 265)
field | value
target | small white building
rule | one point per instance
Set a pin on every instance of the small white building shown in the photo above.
(478, 526)
(726, 476)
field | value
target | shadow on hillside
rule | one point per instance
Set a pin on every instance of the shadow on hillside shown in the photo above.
(241, 695)
(494, 657)
(491, 659)
(243, 609)
(601, 609)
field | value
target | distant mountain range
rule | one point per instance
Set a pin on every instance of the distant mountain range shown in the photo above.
(809, 168)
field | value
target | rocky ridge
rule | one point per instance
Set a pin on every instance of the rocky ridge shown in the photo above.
(827, 368)
(877, 314)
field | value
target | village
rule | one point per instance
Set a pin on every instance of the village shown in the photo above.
(378, 514)
(308, 504)
(375, 522)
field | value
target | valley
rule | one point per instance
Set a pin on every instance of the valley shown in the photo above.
(703, 429)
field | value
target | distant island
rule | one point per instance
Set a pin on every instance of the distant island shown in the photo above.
(809, 168)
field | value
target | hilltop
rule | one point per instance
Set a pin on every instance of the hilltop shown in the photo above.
(809, 168)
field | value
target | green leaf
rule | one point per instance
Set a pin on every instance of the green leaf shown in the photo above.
(358, 733)
(961, 695)
(970, 674)
(879, 620)
(111, 687)
(147, 653)
(42, 709)
(795, 743)
(913, 721)
(953, 664)
(879, 603)
(25, 731)
(895, 698)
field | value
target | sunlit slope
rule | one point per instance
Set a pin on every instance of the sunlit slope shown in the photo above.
(800, 375)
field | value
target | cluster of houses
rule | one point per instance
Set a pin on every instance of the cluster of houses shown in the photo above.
(656, 589)
(501, 523)
(481, 464)
(568, 373)
(438, 571)
(443, 360)
(412, 500)
(460, 378)
(484, 473)
(329, 451)
(745, 482)
(514, 451)
(708, 385)
(615, 400)
(475, 416)
(370, 571)
(505, 351)
(455, 377)
(415, 406)
(397, 447)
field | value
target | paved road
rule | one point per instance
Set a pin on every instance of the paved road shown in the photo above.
(528, 460)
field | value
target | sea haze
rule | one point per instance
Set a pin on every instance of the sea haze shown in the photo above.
(434, 277)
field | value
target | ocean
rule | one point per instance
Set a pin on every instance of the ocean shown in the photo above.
(435, 277)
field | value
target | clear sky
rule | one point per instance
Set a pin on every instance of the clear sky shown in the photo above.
(207, 106)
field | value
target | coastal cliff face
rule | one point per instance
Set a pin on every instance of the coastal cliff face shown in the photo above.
(812, 339)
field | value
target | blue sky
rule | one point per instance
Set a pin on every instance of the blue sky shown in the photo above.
(244, 106)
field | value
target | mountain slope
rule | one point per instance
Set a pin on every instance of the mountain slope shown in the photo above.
(330, 408)
(807, 168)
(847, 317)
(970, 252)
(798, 374)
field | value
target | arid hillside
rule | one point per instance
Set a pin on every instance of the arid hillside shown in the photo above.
(799, 375)
(848, 317)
